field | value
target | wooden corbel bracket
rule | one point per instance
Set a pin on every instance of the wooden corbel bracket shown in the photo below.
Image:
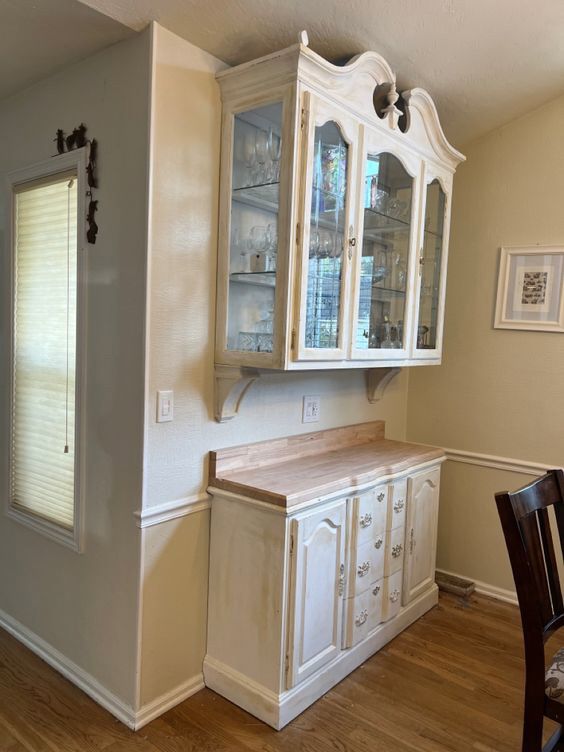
(377, 380)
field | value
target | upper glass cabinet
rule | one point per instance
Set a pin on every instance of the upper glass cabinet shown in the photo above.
(253, 222)
(385, 260)
(333, 220)
(430, 265)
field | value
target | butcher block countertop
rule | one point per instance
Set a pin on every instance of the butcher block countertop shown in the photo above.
(287, 472)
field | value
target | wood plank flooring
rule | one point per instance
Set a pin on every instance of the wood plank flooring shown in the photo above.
(451, 682)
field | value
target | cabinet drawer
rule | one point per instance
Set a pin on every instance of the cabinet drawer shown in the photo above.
(398, 504)
(370, 514)
(391, 602)
(367, 564)
(395, 551)
(364, 613)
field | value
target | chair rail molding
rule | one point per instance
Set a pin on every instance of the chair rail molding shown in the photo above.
(497, 462)
(172, 510)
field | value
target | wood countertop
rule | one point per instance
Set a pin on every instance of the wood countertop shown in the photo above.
(287, 472)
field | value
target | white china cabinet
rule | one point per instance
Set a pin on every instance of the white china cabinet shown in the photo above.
(334, 216)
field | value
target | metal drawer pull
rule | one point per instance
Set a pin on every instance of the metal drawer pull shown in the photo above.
(376, 590)
(378, 543)
(396, 550)
(366, 520)
(381, 496)
(394, 595)
(399, 505)
(361, 618)
(341, 579)
(363, 569)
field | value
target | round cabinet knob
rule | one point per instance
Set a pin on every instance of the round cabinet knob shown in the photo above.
(394, 595)
(396, 550)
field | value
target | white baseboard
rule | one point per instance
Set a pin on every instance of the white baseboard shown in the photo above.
(92, 687)
(484, 588)
(168, 700)
(278, 709)
(87, 683)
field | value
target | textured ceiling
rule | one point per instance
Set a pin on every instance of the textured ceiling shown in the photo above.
(485, 62)
(39, 37)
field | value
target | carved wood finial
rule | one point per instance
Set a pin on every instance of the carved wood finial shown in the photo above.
(391, 112)
(303, 38)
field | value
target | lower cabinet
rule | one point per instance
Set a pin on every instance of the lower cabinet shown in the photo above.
(298, 600)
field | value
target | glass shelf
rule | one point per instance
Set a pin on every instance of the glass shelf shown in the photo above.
(386, 293)
(262, 279)
(263, 196)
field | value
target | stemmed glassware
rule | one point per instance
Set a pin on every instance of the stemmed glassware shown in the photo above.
(274, 143)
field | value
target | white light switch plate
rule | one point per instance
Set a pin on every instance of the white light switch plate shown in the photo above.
(311, 407)
(165, 406)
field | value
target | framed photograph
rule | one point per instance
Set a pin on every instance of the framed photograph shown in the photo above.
(530, 289)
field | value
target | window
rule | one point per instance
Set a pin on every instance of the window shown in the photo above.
(45, 437)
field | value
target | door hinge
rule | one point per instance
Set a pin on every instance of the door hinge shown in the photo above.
(411, 542)
(293, 340)
(287, 663)
(291, 538)
(302, 122)
(298, 233)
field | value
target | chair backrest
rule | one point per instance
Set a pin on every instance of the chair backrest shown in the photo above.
(525, 521)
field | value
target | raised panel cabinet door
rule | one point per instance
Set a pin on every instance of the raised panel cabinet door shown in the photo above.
(317, 588)
(421, 533)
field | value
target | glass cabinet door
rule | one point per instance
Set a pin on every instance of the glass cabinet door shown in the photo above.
(430, 262)
(327, 216)
(383, 282)
(253, 242)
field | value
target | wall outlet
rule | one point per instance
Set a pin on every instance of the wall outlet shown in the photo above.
(310, 412)
(165, 406)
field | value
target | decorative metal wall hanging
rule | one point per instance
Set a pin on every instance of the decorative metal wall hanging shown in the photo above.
(77, 140)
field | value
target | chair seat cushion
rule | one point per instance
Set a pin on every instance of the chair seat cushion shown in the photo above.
(554, 678)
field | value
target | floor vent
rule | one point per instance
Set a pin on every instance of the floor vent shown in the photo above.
(457, 585)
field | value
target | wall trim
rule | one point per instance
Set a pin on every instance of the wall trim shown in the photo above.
(92, 687)
(78, 676)
(172, 510)
(168, 700)
(499, 463)
(484, 588)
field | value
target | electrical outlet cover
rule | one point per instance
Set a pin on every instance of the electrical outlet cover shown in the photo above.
(311, 408)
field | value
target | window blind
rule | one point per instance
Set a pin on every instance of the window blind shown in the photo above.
(44, 353)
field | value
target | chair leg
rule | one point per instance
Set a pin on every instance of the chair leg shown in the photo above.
(533, 724)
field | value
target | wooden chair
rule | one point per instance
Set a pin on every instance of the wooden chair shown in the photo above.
(525, 522)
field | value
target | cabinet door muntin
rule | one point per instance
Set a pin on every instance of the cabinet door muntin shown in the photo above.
(388, 210)
(327, 233)
(432, 265)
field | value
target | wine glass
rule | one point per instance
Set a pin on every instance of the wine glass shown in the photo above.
(327, 245)
(258, 238)
(274, 144)
(261, 147)
(250, 156)
(314, 244)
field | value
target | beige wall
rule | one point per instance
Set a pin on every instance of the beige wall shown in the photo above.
(180, 356)
(85, 606)
(497, 392)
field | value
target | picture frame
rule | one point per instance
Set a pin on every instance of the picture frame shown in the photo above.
(530, 289)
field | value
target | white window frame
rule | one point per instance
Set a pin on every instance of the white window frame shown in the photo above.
(74, 160)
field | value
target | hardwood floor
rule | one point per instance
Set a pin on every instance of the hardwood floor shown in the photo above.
(452, 681)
